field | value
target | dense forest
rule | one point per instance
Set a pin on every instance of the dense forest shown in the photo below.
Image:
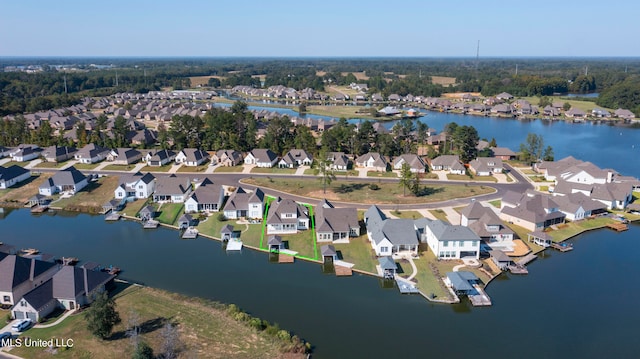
(617, 79)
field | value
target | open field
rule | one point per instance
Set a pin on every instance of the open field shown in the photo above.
(24, 190)
(92, 197)
(339, 111)
(443, 80)
(359, 192)
(586, 106)
(219, 336)
(202, 80)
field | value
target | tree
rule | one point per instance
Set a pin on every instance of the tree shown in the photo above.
(566, 106)
(302, 107)
(119, 131)
(493, 142)
(214, 82)
(544, 102)
(143, 351)
(102, 316)
(170, 345)
(531, 149)
(322, 168)
(465, 140)
(406, 178)
(548, 154)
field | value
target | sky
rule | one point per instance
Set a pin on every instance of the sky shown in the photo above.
(326, 28)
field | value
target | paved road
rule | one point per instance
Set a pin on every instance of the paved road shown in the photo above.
(233, 179)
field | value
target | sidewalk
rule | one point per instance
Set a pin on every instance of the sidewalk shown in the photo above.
(33, 164)
(452, 216)
(63, 317)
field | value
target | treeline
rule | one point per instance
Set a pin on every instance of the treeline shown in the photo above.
(623, 95)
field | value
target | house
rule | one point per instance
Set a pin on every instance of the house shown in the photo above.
(160, 158)
(551, 111)
(24, 154)
(416, 164)
(390, 236)
(244, 204)
(295, 158)
(451, 241)
(503, 153)
(389, 110)
(261, 158)
(4, 151)
(339, 161)
(67, 180)
(208, 197)
(624, 114)
(227, 158)
(58, 153)
(335, 224)
(172, 189)
(91, 153)
(192, 157)
(485, 223)
(124, 156)
(12, 175)
(372, 160)
(20, 275)
(138, 186)
(450, 163)
(275, 243)
(600, 113)
(504, 96)
(577, 206)
(575, 113)
(286, 216)
(532, 211)
(486, 166)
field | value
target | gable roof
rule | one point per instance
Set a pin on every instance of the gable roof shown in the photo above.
(329, 219)
(264, 155)
(67, 176)
(194, 154)
(11, 172)
(447, 232)
(286, 206)
(240, 199)
(411, 159)
(17, 270)
(171, 185)
(70, 282)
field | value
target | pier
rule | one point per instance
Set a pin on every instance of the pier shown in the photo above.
(39, 209)
(112, 216)
(562, 247)
(150, 224)
(190, 233)
(618, 227)
(481, 299)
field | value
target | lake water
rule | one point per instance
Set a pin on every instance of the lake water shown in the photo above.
(576, 304)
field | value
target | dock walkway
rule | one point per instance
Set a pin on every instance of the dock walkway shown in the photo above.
(562, 247)
(481, 299)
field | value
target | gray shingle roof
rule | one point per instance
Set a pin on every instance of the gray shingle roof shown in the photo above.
(16, 270)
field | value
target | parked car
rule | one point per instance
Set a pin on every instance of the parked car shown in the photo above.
(22, 325)
(4, 336)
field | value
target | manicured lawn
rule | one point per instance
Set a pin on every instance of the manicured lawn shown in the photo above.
(132, 208)
(24, 190)
(11, 163)
(586, 106)
(573, 228)
(86, 166)
(155, 168)
(382, 174)
(201, 168)
(338, 111)
(521, 233)
(427, 279)
(51, 164)
(92, 197)
(527, 171)
(301, 242)
(338, 174)
(250, 233)
(439, 214)
(273, 170)
(169, 212)
(388, 193)
(220, 335)
(469, 178)
(229, 169)
(125, 168)
(358, 252)
(497, 203)
(407, 214)
(543, 188)
(537, 178)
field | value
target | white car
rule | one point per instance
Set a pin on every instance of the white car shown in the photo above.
(22, 325)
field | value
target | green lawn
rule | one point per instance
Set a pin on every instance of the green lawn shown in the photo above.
(439, 214)
(124, 168)
(250, 233)
(428, 280)
(51, 164)
(229, 169)
(359, 192)
(200, 168)
(471, 178)
(586, 106)
(382, 174)
(86, 166)
(497, 203)
(132, 208)
(358, 252)
(169, 212)
(165, 168)
(301, 242)
(92, 197)
(11, 163)
(273, 170)
(573, 228)
(407, 214)
(528, 171)
(220, 335)
(537, 178)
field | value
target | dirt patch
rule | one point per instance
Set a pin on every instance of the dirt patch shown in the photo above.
(319, 194)
(443, 80)
(460, 94)
(359, 75)
(202, 80)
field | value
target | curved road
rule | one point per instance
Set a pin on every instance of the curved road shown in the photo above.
(233, 179)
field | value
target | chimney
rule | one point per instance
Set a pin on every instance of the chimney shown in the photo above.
(86, 281)
(32, 270)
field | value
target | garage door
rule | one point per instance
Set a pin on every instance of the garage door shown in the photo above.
(32, 316)
(18, 315)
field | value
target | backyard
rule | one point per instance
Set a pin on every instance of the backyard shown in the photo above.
(92, 197)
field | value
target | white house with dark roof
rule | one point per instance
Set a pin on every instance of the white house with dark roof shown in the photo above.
(372, 160)
(207, 197)
(91, 153)
(451, 241)
(124, 156)
(450, 163)
(286, 216)
(192, 157)
(172, 189)
(25, 154)
(12, 175)
(20, 275)
(415, 163)
(138, 185)
(532, 211)
(160, 158)
(390, 236)
(244, 204)
(335, 224)
(486, 166)
(339, 161)
(577, 206)
(68, 180)
(261, 158)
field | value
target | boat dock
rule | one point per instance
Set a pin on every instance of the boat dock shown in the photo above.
(342, 268)
(481, 299)
(69, 261)
(406, 287)
(112, 216)
(234, 245)
(39, 209)
(562, 247)
(518, 269)
(285, 258)
(526, 259)
(150, 224)
(190, 233)
(618, 227)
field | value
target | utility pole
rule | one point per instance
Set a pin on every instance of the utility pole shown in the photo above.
(116, 78)
(65, 83)
(516, 70)
(478, 55)
(586, 70)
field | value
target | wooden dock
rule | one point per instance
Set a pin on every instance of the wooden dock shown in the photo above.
(190, 233)
(150, 224)
(39, 209)
(618, 227)
(343, 271)
(562, 247)
(481, 299)
(286, 258)
(518, 269)
(526, 259)
(112, 216)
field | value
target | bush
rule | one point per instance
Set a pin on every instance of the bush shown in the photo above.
(221, 217)
(374, 187)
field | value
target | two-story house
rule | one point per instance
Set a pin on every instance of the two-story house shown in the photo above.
(287, 216)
